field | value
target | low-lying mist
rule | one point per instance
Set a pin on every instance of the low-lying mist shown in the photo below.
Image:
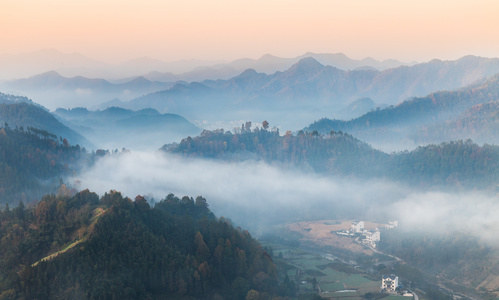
(256, 195)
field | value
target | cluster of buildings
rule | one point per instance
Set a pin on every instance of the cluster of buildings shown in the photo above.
(370, 237)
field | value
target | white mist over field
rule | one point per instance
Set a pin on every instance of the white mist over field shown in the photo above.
(447, 212)
(255, 194)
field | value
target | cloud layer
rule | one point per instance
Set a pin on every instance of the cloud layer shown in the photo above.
(255, 194)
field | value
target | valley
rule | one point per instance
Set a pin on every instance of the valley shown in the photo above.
(319, 147)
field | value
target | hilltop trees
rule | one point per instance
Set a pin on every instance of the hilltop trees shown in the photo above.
(459, 163)
(114, 247)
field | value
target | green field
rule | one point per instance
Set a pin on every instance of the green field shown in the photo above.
(302, 267)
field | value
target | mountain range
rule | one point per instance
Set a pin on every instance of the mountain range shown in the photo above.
(54, 90)
(74, 64)
(311, 90)
(470, 112)
(115, 128)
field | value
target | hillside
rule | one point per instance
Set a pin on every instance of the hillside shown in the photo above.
(22, 112)
(114, 247)
(310, 90)
(115, 128)
(480, 122)
(32, 161)
(437, 117)
(333, 153)
(455, 164)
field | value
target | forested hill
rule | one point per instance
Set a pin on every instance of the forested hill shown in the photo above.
(335, 152)
(83, 247)
(32, 161)
(22, 112)
(412, 114)
(459, 163)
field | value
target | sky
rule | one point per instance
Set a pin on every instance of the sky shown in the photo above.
(116, 31)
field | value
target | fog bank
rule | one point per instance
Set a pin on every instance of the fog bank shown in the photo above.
(256, 194)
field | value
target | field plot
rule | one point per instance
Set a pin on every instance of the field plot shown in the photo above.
(310, 270)
(323, 233)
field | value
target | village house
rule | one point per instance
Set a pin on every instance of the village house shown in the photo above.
(389, 283)
(357, 226)
(372, 237)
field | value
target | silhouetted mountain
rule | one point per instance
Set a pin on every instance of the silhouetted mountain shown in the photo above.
(309, 88)
(358, 108)
(115, 127)
(53, 90)
(28, 64)
(24, 114)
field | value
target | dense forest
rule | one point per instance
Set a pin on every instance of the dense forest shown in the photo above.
(458, 164)
(22, 112)
(83, 247)
(32, 161)
(335, 152)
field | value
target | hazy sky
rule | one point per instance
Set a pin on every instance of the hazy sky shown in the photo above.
(224, 30)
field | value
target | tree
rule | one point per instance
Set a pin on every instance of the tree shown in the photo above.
(247, 126)
(202, 251)
(20, 211)
(252, 295)
(265, 124)
(141, 203)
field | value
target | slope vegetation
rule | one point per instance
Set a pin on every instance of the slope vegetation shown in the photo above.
(32, 161)
(22, 112)
(177, 249)
(457, 164)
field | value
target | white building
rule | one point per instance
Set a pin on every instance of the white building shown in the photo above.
(372, 237)
(389, 283)
(392, 224)
(357, 226)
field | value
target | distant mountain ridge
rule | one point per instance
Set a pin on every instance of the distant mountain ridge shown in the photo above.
(470, 112)
(74, 64)
(115, 127)
(53, 90)
(309, 87)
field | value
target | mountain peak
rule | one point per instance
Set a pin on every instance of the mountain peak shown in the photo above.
(49, 74)
(248, 73)
(307, 64)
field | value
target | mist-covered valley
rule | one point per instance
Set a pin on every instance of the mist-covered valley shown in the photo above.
(258, 195)
(304, 142)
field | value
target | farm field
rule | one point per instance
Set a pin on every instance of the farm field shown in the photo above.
(334, 279)
(322, 233)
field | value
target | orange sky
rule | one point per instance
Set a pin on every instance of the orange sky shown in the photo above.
(170, 30)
